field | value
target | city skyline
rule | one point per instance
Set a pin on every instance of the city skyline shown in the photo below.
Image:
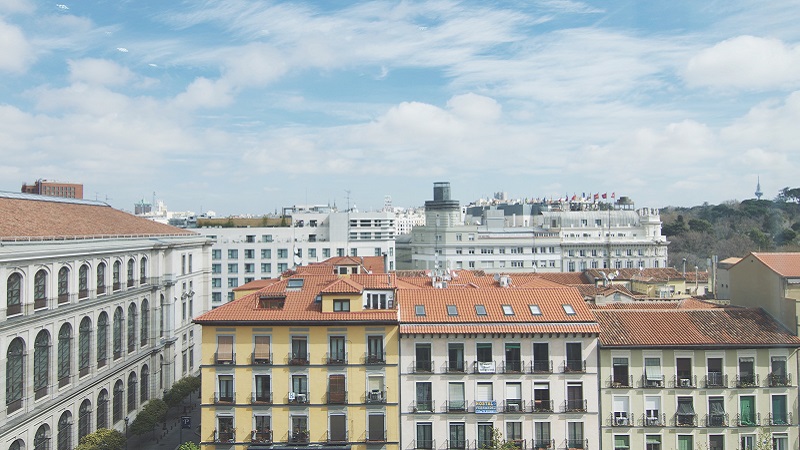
(245, 107)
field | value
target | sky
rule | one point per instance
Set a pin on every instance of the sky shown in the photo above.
(244, 107)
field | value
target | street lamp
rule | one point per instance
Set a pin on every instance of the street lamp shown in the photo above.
(126, 432)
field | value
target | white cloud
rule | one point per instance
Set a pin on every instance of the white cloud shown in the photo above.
(16, 6)
(16, 53)
(253, 65)
(746, 62)
(204, 93)
(99, 71)
(475, 108)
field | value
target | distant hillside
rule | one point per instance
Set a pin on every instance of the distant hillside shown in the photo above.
(732, 229)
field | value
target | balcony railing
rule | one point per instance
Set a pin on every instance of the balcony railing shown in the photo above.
(745, 381)
(621, 419)
(261, 398)
(542, 406)
(455, 366)
(685, 420)
(298, 359)
(521, 444)
(458, 406)
(779, 379)
(513, 366)
(620, 382)
(261, 436)
(541, 366)
(336, 358)
(261, 358)
(425, 444)
(780, 419)
(337, 438)
(654, 420)
(684, 381)
(373, 438)
(224, 397)
(748, 420)
(514, 405)
(456, 444)
(336, 398)
(225, 436)
(716, 420)
(573, 365)
(375, 396)
(298, 437)
(716, 380)
(226, 358)
(577, 443)
(372, 358)
(543, 444)
(422, 366)
(423, 406)
(652, 382)
(575, 405)
(484, 367)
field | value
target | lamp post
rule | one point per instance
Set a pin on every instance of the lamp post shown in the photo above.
(126, 432)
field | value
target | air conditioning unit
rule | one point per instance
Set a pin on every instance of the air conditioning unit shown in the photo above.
(685, 382)
(621, 420)
(513, 407)
(375, 395)
(291, 396)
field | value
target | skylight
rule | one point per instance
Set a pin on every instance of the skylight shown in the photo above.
(508, 310)
(480, 310)
(294, 283)
(452, 310)
(535, 310)
(419, 310)
(569, 310)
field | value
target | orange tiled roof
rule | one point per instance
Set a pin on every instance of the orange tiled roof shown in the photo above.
(689, 303)
(501, 328)
(255, 284)
(727, 327)
(565, 278)
(343, 286)
(645, 275)
(42, 217)
(784, 264)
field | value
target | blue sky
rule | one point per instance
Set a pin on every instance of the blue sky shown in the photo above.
(247, 106)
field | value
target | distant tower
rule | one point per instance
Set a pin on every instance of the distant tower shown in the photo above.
(758, 189)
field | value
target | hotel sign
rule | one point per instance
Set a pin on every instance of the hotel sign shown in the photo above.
(485, 406)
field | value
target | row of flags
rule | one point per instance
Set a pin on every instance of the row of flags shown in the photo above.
(575, 198)
(596, 196)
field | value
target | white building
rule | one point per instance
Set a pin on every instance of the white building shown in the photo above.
(97, 317)
(524, 238)
(242, 255)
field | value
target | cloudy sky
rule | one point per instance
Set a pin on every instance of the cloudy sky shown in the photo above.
(247, 106)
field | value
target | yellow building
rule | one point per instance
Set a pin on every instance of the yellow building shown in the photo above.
(310, 359)
(770, 281)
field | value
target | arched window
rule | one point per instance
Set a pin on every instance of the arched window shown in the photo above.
(65, 431)
(145, 384)
(131, 392)
(131, 271)
(83, 281)
(117, 332)
(64, 354)
(161, 371)
(102, 409)
(14, 294)
(41, 440)
(15, 379)
(131, 327)
(41, 364)
(19, 444)
(102, 339)
(40, 289)
(84, 419)
(145, 333)
(84, 345)
(101, 278)
(63, 285)
(115, 274)
(119, 391)
(143, 271)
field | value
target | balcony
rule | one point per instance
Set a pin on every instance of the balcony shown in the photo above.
(748, 420)
(652, 382)
(342, 437)
(298, 398)
(456, 444)
(220, 358)
(716, 420)
(620, 382)
(455, 366)
(298, 359)
(573, 366)
(784, 419)
(458, 406)
(542, 406)
(374, 358)
(375, 438)
(261, 398)
(577, 444)
(423, 406)
(543, 444)
(653, 419)
(484, 367)
(225, 436)
(224, 397)
(336, 398)
(513, 366)
(375, 396)
(541, 366)
(514, 405)
(521, 444)
(747, 381)
(426, 444)
(684, 381)
(621, 419)
(259, 358)
(575, 405)
(716, 380)
(685, 420)
(261, 436)
(779, 379)
(333, 359)
(298, 437)
(422, 366)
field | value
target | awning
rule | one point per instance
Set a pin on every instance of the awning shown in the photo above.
(652, 371)
(224, 348)
(262, 347)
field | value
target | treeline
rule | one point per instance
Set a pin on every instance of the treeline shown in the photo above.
(732, 229)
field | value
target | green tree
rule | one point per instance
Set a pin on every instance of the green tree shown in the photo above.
(102, 439)
(180, 390)
(152, 414)
(700, 225)
(764, 439)
(189, 445)
(498, 443)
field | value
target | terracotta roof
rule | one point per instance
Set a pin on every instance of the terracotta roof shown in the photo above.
(784, 264)
(725, 327)
(549, 300)
(689, 303)
(646, 275)
(501, 328)
(255, 284)
(702, 277)
(566, 278)
(343, 286)
(29, 216)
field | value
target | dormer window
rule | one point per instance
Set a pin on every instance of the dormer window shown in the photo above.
(341, 305)
(419, 310)
(452, 310)
(271, 302)
(294, 283)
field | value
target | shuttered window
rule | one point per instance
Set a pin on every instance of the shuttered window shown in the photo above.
(338, 427)
(225, 348)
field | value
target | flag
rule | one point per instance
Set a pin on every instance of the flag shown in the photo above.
(604, 195)
(574, 197)
(583, 195)
(612, 195)
(596, 196)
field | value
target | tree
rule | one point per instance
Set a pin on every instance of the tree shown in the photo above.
(764, 439)
(152, 414)
(188, 445)
(180, 390)
(498, 443)
(102, 439)
(700, 225)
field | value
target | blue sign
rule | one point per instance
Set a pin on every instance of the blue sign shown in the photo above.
(186, 422)
(485, 406)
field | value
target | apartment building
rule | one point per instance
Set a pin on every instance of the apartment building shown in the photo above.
(552, 239)
(682, 378)
(242, 255)
(309, 360)
(53, 189)
(478, 354)
(96, 318)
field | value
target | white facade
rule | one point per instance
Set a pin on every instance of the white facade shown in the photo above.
(151, 285)
(241, 255)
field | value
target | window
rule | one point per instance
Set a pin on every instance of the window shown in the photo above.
(620, 373)
(480, 310)
(263, 393)
(249, 268)
(513, 357)
(225, 431)
(541, 432)
(132, 313)
(143, 271)
(424, 435)
(621, 411)
(337, 353)
(216, 254)
(266, 253)
(299, 350)
(424, 396)
(102, 339)
(455, 357)
(485, 435)
(299, 393)
(535, 310)
(101, 278)
(249, 253)
(233, 254)
(261, 352)
(574, 361)
(714, 375)
(652, 372)
(84, 343)
(40, 289)
(569, 310)
(337, 426)
(423, 361)
(64, 354)
(41, 364)
(233, 268)
(340, 305)
(483, 351)
(652, 411)
(541, 397)
(102, 409)
(575, 400)
(283, 253)
(541, 357)
(65, 431)
(376, 430)
(145, 384)
(652, 442)
(132, 381)
(337, 390)
(575, 435)
(119, 390)
(456, 401)
(777, 375)
(145, 325)
(513, 400)
(116, 275)
(375, 349)
(63, 285)
(266, 238)
(780, 441)
(685, 442)
(508, 310)
(747, 375)
(233, 282)
(84, 419)
(452, 310)
(15, 378)
(685, 415)
(457, 439)
(225, 388)
(684, 372)
(283, 267)
(622, 442)
(225, 354)
(716, 412)
(419, 310)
